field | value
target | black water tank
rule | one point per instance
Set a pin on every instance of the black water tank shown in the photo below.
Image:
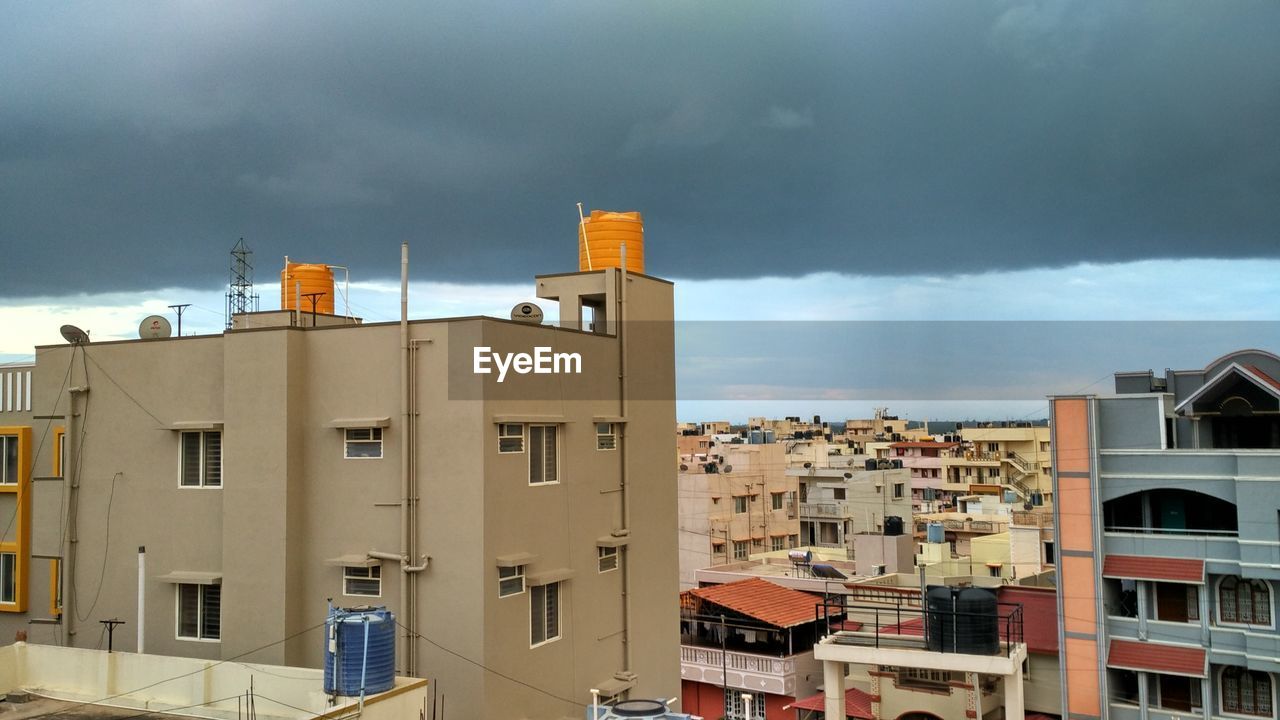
(940, 613)
(893, 525)
(870, 464)
(977, 626)
(963, 620)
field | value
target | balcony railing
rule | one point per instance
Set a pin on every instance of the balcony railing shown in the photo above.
(742, 662)
(1171, 531)
(824, 510)
(906, 627)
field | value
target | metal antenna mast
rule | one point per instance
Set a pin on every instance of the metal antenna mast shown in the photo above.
(240, 295)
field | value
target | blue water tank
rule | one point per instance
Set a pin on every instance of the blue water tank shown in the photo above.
(935, 533)
(359, 651)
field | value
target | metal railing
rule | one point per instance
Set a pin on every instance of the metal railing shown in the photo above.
(1170, 531)
(902, 626)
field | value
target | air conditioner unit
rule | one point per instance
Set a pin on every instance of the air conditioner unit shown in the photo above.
(877, 570)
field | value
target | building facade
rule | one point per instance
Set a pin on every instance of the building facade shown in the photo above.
(1169, 542)
(220, 490)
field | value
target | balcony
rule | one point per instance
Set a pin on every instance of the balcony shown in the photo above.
(825, 510)
(747, 671)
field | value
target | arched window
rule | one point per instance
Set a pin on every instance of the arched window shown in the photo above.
(1244, 601)
(1246, 692)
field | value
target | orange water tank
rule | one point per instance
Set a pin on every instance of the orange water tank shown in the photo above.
(600, 239)
(315, 278)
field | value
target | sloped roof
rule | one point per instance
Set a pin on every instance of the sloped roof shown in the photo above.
(1133, 567)
(1039, 617)
(760, 599)
(1248, 372)
(857, 704)
(1156, 657)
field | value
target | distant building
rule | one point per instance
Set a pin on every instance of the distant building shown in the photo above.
(924, 459)
(998, 457)
(839, 503)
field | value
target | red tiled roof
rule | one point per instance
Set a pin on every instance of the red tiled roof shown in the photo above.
(1134, 567)
(1265, 377)
(922, 444)
(1039, 616)
(857, 704)
(1155, 657)
(760, 599)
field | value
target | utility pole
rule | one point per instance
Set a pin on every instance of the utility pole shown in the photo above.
(179, 309)
(111, 630)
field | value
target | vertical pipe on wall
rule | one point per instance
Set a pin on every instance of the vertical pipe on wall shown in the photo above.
(142, 598)
(405, 611)
(622, 458)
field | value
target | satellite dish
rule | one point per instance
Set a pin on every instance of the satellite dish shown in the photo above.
(683, 467)
(74, 335)
(848, 476)
(728, 468)
(808, 464)
(154, 326)
(527, 313)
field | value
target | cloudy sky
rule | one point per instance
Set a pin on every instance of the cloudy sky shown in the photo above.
(846, 160)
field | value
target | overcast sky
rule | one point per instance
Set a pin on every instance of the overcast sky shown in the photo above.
(140, 140)
(844, 160)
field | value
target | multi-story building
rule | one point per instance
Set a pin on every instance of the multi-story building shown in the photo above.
(17, 444)
(995, 456)
(1169, 543)
(734, 501)
(837, 504)
(924, 459)
(218, 490)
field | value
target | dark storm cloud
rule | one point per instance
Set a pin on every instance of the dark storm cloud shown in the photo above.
(138, 141)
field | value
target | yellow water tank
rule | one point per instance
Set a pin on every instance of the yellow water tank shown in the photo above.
(315, 278)
(600, 239)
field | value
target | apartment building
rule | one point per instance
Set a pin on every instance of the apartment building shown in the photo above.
(1169, 542)
(924, 459)
(220, 489)
(16, 447)
(1000, 456)
(837, 504)
(735, 501)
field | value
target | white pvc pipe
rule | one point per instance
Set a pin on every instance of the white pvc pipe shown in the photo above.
(142, 598)
(582, 227)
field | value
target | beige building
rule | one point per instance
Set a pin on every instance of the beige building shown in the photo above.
(522, 531)
(735, 501)
(837, 504)
(1012, 456)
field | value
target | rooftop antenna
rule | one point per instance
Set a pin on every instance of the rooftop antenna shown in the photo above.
(240, 295)
(74, 335)
(314, 298)
(180, 308)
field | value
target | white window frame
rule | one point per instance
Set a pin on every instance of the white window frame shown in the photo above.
(511, 431)
(777, 500)
(740, 501)
(1216, 599)
(608, 559)
(374, 436)
(371, 573)
(899, 491)
(556, 449)
(542, 591)
(204, 459)
(608, 439)
(9, 584)
(200, 613)
(733, 705)
(745, 549)
(506, 574)
(777, 542)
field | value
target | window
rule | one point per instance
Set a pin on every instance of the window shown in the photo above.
(544, 613)
(510, 580)
(510, 438)
(1049, 556)
(8, 578)
(1246, 692)
(739, 550)
(199, 612)
(993, 447)
(739, 503)
(542, 454)
(201, 459)
(994, 570)
(794, 540)
(1247, 602)
(899, 490)
(366, 581)
(608, 558)
(363, 443)
(55, 588)
(736, 708)
(993, 472)
(775, 500)
(923, 676)
(838, 493)
(8, 459)
(605, 437)
(777, 542)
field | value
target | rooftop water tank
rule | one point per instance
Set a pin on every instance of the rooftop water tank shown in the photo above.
(634, 710)
(360, 651)
(600, 239)
(962, 620)
(935, 533)
(892, 525)
(315, 278)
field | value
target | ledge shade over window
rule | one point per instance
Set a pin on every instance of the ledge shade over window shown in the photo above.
(190, 577)
(515, 559)
(611, 541)
(352, 560)
(195, 425)
(547, 577)
(354, 423)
